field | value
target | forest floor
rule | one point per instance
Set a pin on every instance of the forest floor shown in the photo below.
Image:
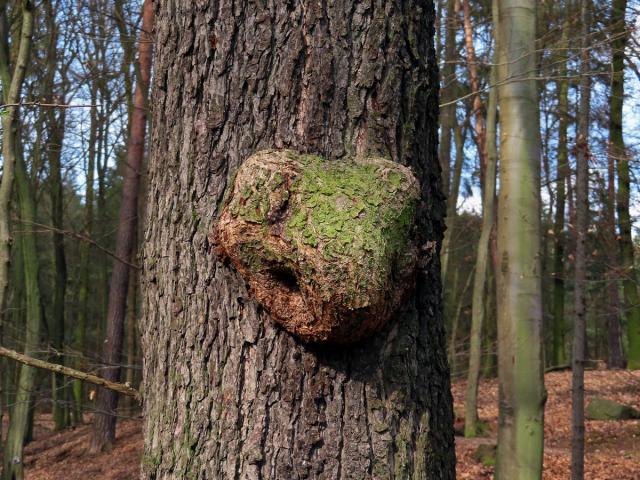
(613, 448)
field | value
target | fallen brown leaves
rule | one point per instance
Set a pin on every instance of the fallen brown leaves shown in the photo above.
(65, 455)
(612, 447)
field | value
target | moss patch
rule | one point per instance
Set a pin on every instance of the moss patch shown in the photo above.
(327, 246)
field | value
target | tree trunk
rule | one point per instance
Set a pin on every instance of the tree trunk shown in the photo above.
(520, 368)
(12, 80)
(614, 338)
(561, 174)
(104, 425)
(617, 149)
(80, 329)
(474, 76)
(582, 224)
(452, 207)
(227, 393)
(55, 139)
(55, 130)
(131, 336)
(449, 83)
(20, 421)
(480, 281)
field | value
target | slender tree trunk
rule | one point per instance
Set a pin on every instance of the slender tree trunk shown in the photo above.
(452, 319)
(127, 45)
(474, 75)
(478, 312)
(449, 84)
(227, 393)
(12, 80)
(457, 313)
(131, 336)
(618, 151)
(520, 368)
(104, 426)
(85, 251)
(448, 125)
(55, 139)
(489, 326)
(452, 206)
(19, 425)
(55, 130)
(582, 224)
(561, 174)
(615, 355)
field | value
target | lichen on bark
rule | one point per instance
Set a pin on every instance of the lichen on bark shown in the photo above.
(327, 247)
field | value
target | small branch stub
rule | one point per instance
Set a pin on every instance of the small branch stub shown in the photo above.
(327, 247)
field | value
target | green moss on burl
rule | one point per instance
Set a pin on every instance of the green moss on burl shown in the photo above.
(335, 237)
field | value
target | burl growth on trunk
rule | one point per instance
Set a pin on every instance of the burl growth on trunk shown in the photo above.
(327, 247)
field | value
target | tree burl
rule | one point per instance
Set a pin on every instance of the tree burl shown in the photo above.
(327, 247)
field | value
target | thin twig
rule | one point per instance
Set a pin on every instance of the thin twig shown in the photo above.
(124, 389)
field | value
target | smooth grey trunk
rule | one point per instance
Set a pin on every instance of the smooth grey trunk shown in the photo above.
(519, 289)
(227, 393)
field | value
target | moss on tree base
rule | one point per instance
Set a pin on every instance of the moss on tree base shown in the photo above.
(327, 247)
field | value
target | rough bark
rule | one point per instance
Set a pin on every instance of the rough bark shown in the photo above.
(582, 224)
(519, 294)
(227, 393)
(104, 424)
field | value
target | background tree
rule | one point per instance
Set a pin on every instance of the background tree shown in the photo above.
(104, 425)
(12, 73)
(618, 151)
(522, 395)
(582, 225)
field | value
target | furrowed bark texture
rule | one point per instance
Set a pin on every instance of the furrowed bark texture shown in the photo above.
(227, 393)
